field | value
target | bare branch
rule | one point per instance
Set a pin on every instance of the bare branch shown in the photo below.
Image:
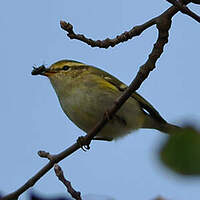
(163, 25)
(59, 173)
(184, 9)
(135, 31)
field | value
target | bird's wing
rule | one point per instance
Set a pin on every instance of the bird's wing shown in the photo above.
(122, 87)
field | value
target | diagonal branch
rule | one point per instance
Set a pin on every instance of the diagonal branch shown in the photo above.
(163, 23)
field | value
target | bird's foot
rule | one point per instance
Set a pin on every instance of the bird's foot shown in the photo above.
(83, 143)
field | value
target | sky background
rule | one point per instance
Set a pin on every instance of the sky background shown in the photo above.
(31, 118)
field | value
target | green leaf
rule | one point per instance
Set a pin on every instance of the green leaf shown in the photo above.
(181, 152)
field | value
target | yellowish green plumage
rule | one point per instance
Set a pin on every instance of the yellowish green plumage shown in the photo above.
(86, 92)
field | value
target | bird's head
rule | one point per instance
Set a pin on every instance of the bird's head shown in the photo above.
(64, 74)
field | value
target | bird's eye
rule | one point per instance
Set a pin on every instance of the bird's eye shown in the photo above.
(65, 67)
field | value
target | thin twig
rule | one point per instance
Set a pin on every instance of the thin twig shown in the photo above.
(135, 31)
(59, 173)
(44, 154)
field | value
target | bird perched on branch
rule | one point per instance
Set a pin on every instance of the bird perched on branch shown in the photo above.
(85, 93)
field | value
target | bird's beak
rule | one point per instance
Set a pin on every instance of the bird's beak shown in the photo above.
(42, 70)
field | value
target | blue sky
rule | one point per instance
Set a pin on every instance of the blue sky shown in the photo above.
(31, 117)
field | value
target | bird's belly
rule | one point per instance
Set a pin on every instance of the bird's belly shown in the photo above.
(86, 110)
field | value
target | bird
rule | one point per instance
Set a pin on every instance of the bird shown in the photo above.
(85, 94)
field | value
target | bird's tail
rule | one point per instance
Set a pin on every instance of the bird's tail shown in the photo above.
(163, 127)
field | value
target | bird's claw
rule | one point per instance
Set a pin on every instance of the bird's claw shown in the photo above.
(82, 143)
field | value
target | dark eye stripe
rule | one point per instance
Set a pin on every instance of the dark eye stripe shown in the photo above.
(65, 67)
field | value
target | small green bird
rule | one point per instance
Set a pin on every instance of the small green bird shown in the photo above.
(86, 93)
